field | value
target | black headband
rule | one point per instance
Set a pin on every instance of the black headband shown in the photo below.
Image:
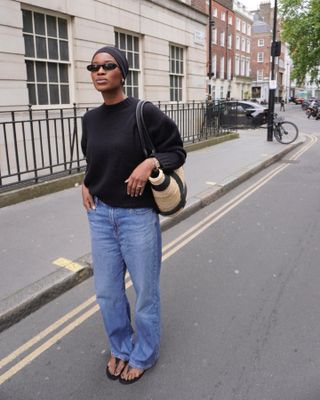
(118, 55)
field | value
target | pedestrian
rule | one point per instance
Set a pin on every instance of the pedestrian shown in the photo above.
(123, 218)
(282, 105)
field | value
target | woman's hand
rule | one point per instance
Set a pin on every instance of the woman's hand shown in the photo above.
(87, 199)
(138, 178)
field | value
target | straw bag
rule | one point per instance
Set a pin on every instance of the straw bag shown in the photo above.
(169, 189)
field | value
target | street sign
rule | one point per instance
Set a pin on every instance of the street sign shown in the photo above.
(273, 84)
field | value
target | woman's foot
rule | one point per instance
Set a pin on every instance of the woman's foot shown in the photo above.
(131, 375)
(114, 367)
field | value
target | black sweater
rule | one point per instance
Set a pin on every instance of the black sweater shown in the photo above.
(111, 145)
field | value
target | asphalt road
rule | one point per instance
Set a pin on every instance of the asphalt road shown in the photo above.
(240, 305)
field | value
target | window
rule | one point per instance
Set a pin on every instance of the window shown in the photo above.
(221, 92)
(260, 57)
(214, 36)
(229, 68)
(176, 72)
(213, 91)
(215, 12)
(223, 16)
(249, 30)
(248, 67)
(248, 46)
(222, 68)
(230, 20)
(238, 24)
(129, 44)
(260, 75)
(222, 39)
(243, 44)
(214, 65)
(46, 57)
(260, 42)
(243, 66)
(230, 41)
(238, 42)
(244, 27)
(237, 69)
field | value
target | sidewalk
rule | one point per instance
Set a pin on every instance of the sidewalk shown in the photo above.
(45, 244)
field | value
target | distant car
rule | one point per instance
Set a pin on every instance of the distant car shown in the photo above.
(296, 100)
(247, 113)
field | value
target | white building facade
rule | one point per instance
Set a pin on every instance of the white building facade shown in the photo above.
(45, 47)
(241, 83)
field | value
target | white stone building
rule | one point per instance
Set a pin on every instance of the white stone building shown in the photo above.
(46, 45)
(241, 83)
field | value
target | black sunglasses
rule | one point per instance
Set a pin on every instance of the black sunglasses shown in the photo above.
(106, 67)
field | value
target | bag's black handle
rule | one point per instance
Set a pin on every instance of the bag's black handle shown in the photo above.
(145, 139)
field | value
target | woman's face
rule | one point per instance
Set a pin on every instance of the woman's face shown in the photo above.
(106, 80)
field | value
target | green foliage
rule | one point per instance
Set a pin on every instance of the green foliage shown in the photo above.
(301, 30)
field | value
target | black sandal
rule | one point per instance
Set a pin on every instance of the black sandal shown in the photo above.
(129, 381)
(112, 376)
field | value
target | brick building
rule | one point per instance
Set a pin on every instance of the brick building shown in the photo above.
(231, 46)
(261, 56)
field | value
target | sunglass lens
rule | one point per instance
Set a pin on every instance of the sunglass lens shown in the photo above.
(109, 66)
(93, 67)
(106, 67)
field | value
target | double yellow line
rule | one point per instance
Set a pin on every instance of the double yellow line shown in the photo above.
(168, 251)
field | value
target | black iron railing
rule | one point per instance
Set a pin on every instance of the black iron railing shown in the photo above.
(36, 145)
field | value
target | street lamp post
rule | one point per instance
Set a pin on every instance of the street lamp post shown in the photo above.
(272, 90)
(210, 74)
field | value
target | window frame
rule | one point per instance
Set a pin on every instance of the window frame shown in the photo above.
(178, 75)
(214, 36)
(132, 83)
(222, 69)
(35, 59)
(222, 39)
(259, 43)
(243, 44)
(244, 27)
(260, 59)
(238, 43)
(238, 24)
(259, 75)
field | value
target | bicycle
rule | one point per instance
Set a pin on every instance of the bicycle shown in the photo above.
(285, 132)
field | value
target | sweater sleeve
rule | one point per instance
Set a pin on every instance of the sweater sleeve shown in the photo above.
(166, 138)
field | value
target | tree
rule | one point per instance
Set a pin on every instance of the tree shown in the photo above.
(301, 30)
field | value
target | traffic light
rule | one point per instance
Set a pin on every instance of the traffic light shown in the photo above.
(276, 49)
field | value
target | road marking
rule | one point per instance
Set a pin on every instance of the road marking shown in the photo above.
(211, 183)
(26, 346)
(168, 250)
(68, 264)
(50, 342)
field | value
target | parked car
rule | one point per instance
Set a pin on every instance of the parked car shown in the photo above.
(244, 114)
(296, 100)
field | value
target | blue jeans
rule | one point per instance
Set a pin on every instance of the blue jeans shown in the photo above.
(121, 239)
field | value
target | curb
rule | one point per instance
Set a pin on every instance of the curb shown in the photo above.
(24, 302)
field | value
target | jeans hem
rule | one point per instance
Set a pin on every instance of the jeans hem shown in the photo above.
(119, 356)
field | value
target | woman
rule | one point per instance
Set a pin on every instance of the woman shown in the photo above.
(124, 223)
